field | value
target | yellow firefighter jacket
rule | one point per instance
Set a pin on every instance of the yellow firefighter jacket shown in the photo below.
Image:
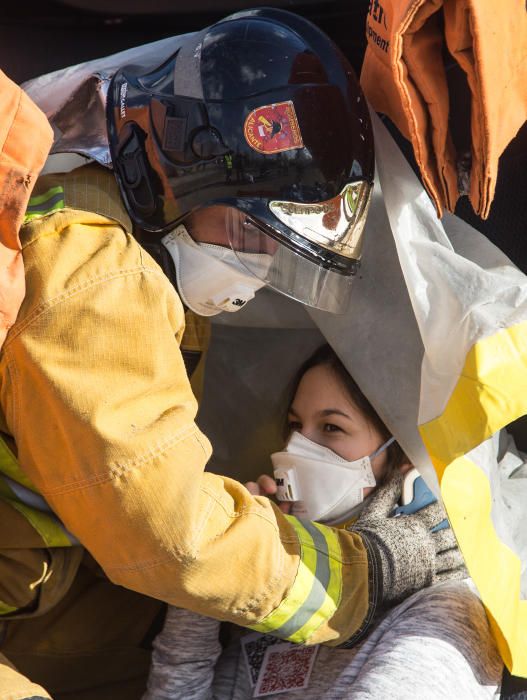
(100, 416)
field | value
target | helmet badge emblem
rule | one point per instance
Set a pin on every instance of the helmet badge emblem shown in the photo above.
(273, 128)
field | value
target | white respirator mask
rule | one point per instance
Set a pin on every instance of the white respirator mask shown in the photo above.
(321, 485)
(211, 278)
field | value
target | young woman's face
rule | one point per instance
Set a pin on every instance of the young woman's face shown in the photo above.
(323, 412)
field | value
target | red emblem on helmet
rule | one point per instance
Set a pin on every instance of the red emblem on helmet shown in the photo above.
(273, 128)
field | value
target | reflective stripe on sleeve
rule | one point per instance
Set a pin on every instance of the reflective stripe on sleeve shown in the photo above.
(48, 526)
(5, 609)
(45, 203)
(10, 467)
(17, 490)
(44, 521)
(316, 591)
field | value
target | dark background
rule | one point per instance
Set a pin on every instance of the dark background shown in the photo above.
(42, 35)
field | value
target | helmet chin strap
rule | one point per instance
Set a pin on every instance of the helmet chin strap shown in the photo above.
(210, 278)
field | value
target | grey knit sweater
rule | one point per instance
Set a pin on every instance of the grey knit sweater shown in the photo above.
(436, 644)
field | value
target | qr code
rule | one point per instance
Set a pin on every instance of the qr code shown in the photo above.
(254, 647)
(285, 667)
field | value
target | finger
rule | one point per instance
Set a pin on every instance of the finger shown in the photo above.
(431, 515)
(444, 540)
(449, 561)
(384, 499)
(253, 488)
(452, 575)
(267, 485)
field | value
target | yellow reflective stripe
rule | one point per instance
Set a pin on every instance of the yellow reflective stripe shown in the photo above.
(47, 526)
(494, 568)
(5, 609)
(333, 591)
(43, 204)
(5, 491)
(490, 393)
(29, 216)
(10, 467)
(38, 199)
(316, 591)
(301, 585)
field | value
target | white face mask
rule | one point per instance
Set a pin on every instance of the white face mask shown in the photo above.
(211, 278)
(321, 485)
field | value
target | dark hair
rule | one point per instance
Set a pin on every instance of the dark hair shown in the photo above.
(326, 356)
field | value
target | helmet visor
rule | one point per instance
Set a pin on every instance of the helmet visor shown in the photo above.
(285, 270)
(335, 224)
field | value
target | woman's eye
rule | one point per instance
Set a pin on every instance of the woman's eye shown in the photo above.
(331, 428)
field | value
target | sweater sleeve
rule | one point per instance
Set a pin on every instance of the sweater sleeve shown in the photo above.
(184, 657)
(95, 393)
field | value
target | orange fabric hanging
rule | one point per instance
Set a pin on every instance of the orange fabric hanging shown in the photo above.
(404, 77)
(25, 139)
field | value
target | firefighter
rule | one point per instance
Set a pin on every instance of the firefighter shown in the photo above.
(102, 462)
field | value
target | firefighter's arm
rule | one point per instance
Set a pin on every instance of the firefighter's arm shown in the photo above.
(95, 393)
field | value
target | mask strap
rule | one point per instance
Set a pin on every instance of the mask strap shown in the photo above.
(382, 447)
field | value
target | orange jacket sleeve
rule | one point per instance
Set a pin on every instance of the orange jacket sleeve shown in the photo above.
(25, 139)
(404, 76)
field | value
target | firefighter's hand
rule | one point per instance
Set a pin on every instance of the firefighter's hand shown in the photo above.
(265, 485)
(411, 555)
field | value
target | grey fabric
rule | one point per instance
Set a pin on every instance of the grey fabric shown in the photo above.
(184, 657)
(436, 645)
(412, 556)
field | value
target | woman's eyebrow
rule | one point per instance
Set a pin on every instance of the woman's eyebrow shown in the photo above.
(330, 411)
